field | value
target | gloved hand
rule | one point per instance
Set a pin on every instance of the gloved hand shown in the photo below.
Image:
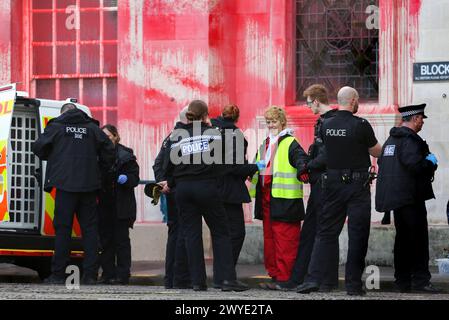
(431, 157)
(261, 165)
(122, 179)
(304, 177)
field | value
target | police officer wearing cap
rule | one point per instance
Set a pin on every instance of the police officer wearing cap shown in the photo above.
(406, 170)
(75, 149)
(195, 167)
(349, 141)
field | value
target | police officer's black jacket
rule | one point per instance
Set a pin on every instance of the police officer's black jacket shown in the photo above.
(118, 200)
(232, 186)
(285, 210)
(75, 148)
(163, 157)
(196, 153)
(405, 176)
(317, 152)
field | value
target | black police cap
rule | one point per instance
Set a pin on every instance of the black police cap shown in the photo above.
(153, 190)
(412, 110)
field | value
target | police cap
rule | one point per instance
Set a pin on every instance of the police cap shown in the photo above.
(412, 110)
(153, 190)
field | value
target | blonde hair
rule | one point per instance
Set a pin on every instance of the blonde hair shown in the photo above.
(276, 113)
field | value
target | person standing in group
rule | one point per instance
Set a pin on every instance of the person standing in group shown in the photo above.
(349, 141)
(176, 265)
(75, 148)
(195, 166)
(404, 183)
(317, 100)
(117, 212)
(232, 186)
(278, 192)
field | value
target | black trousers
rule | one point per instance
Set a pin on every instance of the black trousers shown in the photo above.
(342, 200)
(198, 199)
(176, 263)
(115, 258)
(85, 206)
(411, 246)
(236, 222)
(307, 240)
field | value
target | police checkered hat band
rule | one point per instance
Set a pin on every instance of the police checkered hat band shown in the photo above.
(412, 110)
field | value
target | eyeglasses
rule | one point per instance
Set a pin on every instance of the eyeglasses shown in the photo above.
(309, 103)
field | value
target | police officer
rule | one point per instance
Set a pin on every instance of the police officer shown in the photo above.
(406, 170)
(74, 147)
(117, 212)
(349, 141)
(317, 100)
(195, 165)
(176, 266)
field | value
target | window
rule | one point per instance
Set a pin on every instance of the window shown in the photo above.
(334, 47)
(74, 53)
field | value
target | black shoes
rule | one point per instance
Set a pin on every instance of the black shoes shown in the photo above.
(356, 292)
(234, 285)
(285, 286)
(202, 287)
(427, 289)
(88, 281)
(308, 287)
(53, 279)
(217, 285)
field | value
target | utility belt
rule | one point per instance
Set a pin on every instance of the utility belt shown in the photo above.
(347, 176)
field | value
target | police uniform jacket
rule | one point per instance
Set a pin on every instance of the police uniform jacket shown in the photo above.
(405, 176)
(284, 210)
(75, 148)
(232, 185)
(118, 200)
(163, 157)
(316, 164)
(196, 153)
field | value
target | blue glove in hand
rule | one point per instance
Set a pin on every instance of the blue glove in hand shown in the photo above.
(122, 179)
(261, 165)
(431, 157)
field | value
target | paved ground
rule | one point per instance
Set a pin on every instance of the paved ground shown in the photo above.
(147, 278)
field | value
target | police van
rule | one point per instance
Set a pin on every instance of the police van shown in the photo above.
(26, 210)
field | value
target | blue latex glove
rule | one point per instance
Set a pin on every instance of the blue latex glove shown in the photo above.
(431, 157)
(261, 165)
(122, 179)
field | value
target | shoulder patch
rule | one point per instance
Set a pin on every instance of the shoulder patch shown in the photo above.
(389, 150)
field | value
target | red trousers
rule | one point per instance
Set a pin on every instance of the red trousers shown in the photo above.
(281, 241)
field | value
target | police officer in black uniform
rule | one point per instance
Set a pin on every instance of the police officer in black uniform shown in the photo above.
(349, 141)
(195, 165)
(176, 265)
(318, 102)
(406, 170)
(74, 147)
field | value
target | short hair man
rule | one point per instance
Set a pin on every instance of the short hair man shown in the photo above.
(349, 141)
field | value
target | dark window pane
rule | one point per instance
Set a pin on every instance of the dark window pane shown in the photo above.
(69, 88)
(110, 25)
(90, 3)
(112, 92)
(111, 117)
(42, 60)
(42, 26)
(90, 58)
(90, 25)
(42, 4)
(110, 58)
(65, 3)
(66, 26)
(45, 89)
(93, 92)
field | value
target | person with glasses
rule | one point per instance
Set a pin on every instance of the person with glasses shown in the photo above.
(317, 100)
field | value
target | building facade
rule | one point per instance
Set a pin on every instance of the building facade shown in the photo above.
(137, 63)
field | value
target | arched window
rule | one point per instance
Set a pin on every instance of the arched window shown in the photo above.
(337, 44)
